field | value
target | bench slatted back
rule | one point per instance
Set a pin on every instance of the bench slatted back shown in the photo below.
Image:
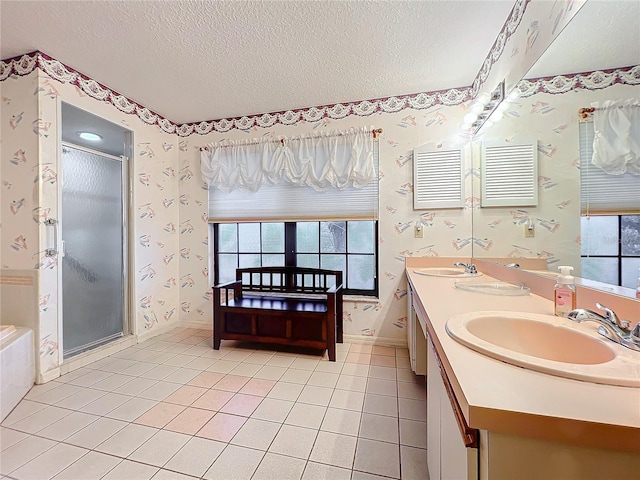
(288, 279)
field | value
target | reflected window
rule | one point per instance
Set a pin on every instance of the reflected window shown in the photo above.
(610, 249)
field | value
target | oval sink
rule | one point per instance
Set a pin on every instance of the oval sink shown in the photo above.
(493, 288)
(445, 272)
(547, 344)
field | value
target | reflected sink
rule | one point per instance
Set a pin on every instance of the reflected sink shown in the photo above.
(493, 288)
(445, 272)
(548, 344)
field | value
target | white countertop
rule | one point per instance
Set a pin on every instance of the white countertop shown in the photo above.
(496, 396)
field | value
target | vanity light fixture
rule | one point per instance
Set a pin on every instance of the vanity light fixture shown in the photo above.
(487, 106)
(90, 136)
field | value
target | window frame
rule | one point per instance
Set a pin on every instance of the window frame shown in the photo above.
(619, 256)
(290, 252)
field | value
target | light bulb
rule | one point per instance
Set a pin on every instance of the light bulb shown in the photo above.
(469, 118)
(488, 124)
(513, 94)
(503, 107)
(484, 98)
(496, 116)
(477, 108)
(92, 137)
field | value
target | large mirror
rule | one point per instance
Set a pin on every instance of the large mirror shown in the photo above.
(603, 35)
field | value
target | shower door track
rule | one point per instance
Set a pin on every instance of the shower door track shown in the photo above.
(89, 346)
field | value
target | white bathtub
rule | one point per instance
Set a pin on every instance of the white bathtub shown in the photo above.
(17, 366)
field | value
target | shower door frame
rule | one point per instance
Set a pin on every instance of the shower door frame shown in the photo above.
(126, 261)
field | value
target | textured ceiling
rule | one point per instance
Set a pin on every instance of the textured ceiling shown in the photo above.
(602, 35)
(200, 60)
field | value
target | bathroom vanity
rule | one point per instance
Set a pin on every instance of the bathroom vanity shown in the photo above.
(489, 419)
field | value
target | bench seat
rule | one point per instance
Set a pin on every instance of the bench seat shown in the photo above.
(281, 305)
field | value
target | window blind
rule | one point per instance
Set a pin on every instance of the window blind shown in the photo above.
(600, 192)
(287, 202)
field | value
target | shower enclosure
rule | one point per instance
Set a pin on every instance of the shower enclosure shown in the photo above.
(94, 255)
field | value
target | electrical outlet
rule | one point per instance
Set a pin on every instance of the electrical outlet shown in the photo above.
(529, 231)
(417, 233)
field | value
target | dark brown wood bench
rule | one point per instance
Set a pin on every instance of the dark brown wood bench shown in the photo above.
(282, 305)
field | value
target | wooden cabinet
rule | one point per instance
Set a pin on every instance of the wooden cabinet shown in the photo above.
(448, 457)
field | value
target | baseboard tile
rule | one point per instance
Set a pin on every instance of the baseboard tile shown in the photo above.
(380, 341)
(195, 324)
(154, 332)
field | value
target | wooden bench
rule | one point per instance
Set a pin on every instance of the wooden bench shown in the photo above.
(281, 305)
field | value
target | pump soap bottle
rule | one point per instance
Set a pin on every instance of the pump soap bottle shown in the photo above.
(564, 293)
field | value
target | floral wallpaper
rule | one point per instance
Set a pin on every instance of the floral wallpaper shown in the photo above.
(30, 171)
(169, 236)
(530, 29)
(19, 190)
(553, 121)
(446, 232)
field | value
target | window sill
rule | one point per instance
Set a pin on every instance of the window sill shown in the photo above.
(360, 298)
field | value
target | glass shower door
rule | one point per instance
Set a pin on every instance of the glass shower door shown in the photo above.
(93, 235)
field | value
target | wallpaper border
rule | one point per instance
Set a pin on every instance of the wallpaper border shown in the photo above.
(595, 80)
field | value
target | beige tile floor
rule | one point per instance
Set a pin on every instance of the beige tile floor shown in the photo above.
(174, 408)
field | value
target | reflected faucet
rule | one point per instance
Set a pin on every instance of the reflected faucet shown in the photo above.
(611, 326)
(512, 265)
(468, 267)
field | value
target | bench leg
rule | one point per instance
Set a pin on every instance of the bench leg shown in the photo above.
(331, 337)
(216, 332)
(332, 352)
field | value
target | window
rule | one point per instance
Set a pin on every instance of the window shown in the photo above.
(610, 226)
(349, 246)
(610, 249)
(306, 201)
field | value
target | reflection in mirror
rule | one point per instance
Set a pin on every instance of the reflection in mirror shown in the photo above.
(604, 35)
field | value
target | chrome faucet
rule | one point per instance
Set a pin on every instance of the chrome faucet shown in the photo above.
(512, 265)
(611, 326)
(468, 267)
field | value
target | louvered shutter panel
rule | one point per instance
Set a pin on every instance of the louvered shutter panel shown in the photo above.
(437, 178)
(509, 174)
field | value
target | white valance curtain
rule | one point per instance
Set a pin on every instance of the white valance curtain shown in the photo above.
(616, 145)
(322, 161)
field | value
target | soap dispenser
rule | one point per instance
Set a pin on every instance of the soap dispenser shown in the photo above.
(564, 293)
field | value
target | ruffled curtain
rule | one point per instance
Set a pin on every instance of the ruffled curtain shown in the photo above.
(322, 161)
(616, 145)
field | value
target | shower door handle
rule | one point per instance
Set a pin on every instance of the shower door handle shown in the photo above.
(52, 237)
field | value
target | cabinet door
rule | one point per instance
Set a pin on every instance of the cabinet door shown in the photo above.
(411, 328)
(435, 390)
(447, 456)
(457, 462)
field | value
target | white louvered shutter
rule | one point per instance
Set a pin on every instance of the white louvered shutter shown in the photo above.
(509, 174)
(437, 178)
